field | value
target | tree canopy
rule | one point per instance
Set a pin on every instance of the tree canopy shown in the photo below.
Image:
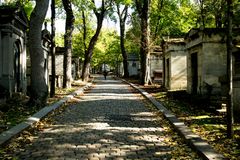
(171, 18)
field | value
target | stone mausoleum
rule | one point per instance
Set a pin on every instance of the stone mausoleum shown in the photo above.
(175, 64)
(207, 63)
(13, 38)
(59, 56)
(156, 64)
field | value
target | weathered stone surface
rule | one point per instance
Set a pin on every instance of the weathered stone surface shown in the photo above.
(175, 64)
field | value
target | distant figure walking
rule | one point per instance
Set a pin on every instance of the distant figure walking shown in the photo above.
(105, 74)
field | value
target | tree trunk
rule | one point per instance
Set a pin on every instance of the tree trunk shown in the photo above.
(229, 70)
(202, 13)
(143, 10)
(39, 88)
(84, 31)
(89, 52)
(92, 43)
(77, 68)
(52, 88)
(67, 62)
(122, 18)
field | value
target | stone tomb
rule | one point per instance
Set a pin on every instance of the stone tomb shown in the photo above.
(175, 64)
(59, 56)
(156, 64)
(133, 65)
(13, 49)
(207, 63)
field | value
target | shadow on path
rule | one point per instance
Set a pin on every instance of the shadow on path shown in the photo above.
(109, 122)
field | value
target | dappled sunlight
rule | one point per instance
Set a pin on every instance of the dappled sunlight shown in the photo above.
(100, 140)
(130, 136)
(199, 117)
(104, 141)
(97, 126)
(108, 122)
(144, 119)
(147, 138)
(149, 114)
(109, 96)
(144, 116)
(109, 81)
(58, 129)
(106, 86)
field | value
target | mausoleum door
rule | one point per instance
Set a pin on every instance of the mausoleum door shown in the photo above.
(168, 73)
(236, 66)
(194, 69)
(17, 67)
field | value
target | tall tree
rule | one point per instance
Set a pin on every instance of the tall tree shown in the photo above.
(158, 18)
(69, 27)
(143, 11)
(39, 88)
(84, 31)
(229, 69)
(122, 15)
(52, 88)
(99, 13)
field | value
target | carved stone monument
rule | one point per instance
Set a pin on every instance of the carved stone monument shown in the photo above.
(13, 28)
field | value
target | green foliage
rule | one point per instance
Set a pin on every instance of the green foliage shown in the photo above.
(236, 13)
(132, 43)
(211, 13)
(28, 8)
(167, 18)
(171, 18)
(59, 39)
(78, 36)
(81, 41)
(27, 5)
(133, 35)
(107, 49)
(124, 2)
(78, 46)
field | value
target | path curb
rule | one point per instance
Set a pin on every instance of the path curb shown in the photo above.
(16, 130)
(195, 141)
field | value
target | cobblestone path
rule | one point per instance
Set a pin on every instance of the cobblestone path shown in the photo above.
(109, 122)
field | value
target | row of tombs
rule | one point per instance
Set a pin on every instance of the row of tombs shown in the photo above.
(14, 58)
(196, 63)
